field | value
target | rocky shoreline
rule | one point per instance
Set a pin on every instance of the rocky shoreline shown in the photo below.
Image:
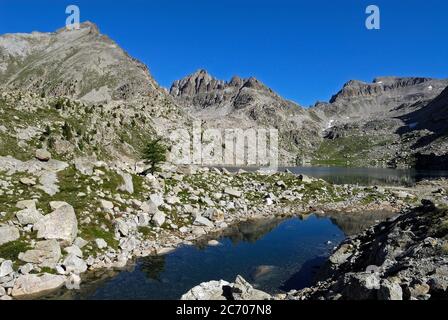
(60, 219)
(403, 258)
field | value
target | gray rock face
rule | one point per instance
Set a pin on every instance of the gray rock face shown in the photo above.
(156, 199)
(8, 234)
(26, 204)
(48, 182)
(28, 216)
(61, 224)
(6, 268)
(32, 284)
(122, 227)
(75, 250)
(246, 103)
(28, 181)
(45, 254)
(223, 290)
(100, 243)
(159, 219)
(390, 291)
(143, 219)
(212, 290)
(85, 165)
(149, 207)
(75, 264)
(361, 286)
(26, 268)
(202, 221)
(107, 205)
(216, 215)
(73, 282)
(128, 185)
(55, 205)
(43, 155)
(202, 90)
(242, 290)
(80, 242)
(403, 110)
(233, 192)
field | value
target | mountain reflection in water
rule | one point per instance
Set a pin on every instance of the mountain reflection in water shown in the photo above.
(272, 254)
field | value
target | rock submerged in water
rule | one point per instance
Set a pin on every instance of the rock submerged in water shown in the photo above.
(262, 271)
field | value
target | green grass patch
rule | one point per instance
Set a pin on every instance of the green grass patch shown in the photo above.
(92, 232)
(11, 250)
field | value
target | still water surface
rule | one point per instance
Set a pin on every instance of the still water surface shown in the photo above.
(364, 176)
(273, 255)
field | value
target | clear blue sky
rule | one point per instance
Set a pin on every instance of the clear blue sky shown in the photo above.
(304, 50)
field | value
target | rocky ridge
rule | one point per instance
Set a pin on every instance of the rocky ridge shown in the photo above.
(245, 104)
(384, 123)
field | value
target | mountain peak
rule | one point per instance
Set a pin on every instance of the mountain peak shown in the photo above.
(81, 64)
(201, 82)
(83, 26)
(201, 72)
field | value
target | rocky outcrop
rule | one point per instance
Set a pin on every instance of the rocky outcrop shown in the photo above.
(61, 224)
(213, 290)
(201, 90)
(28, 216)
(384, 86)
(404, 258)
(223, 290)
(36, 284)
(247, 103)
(45, 254)
(383, 123)
(8, 234)
(128, 185)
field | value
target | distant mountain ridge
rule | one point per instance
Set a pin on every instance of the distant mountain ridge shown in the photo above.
(363, 122)
(392, 121)
(202, 91)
